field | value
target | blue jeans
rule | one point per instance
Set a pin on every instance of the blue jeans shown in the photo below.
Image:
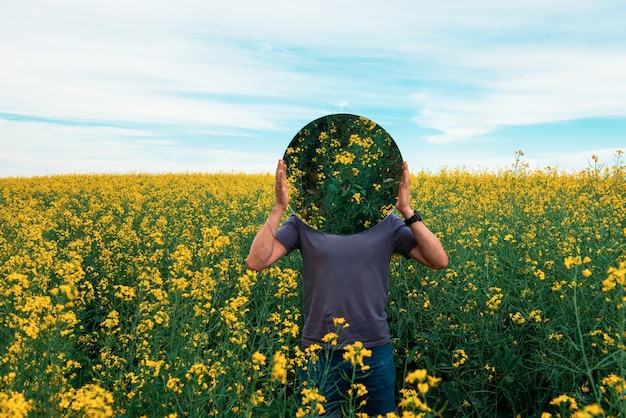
(332, 375)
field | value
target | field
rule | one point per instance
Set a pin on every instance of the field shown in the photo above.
(128, 295)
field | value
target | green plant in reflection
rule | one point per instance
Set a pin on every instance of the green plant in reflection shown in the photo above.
(343, 171)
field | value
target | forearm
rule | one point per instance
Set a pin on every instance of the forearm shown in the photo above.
(429, 250)
(262, 246)
(430, 246)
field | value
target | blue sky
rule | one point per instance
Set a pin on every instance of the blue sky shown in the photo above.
(202, 86)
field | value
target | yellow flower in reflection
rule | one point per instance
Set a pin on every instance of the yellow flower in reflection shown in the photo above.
(460, 357)
(344, 157)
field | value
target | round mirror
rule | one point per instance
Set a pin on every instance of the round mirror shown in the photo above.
(343, 172)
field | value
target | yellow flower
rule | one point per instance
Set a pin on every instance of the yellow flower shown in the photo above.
(340, 321)
(555, 336)
(412, 402)
(358, 390)
(312, 349)
(416, 376)
(572, 261)
(536, 315)
(344, 157)
(279, 368)
(540, 274)
(330, 338)
(364, 143)
(618, 384)
(313, 400)
(617, 276)
(589, 411)
(433, 381)
(14, 404)
(355, 353)
(494, 300)
(90, 400)
(517, 318)
(564, 399)
(257, 398)
(173, 384)
(460, 358)
(258, 360)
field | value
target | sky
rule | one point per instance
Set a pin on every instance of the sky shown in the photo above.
(210, 86)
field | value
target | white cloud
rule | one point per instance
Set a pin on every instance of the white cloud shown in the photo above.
(39, 148)
(528, 87)
(265, 69)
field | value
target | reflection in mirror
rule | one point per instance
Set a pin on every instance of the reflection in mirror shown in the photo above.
(343, 172)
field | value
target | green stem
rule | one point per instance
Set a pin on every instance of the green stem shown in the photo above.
(582, 347)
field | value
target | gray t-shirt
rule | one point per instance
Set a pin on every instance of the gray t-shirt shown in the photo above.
(346, 276)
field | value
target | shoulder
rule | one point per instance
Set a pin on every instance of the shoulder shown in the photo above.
(289, 232)
(403, 238)
(293, 221)
(393, 222)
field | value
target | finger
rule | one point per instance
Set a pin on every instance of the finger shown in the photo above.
(405, 173)
(280, 170)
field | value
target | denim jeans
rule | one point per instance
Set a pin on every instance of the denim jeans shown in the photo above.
(332, 375)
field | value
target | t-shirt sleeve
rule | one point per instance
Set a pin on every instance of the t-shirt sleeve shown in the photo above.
(404, 241)
(288, 234)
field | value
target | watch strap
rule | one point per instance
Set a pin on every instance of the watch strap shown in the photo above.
(415, 218)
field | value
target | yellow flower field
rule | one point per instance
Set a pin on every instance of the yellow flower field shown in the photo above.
(128, 295)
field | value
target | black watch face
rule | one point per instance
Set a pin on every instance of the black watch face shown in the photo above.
(343, 172)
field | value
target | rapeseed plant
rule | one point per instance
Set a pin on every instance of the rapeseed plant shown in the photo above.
(128, 295)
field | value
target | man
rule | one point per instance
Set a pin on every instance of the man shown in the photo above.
(348, 277)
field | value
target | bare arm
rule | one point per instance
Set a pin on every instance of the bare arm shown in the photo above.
(429, 250)
(266, 249)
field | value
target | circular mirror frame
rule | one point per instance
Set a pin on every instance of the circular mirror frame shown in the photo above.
(344, 172)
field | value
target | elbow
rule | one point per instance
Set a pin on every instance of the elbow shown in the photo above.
(256, 264)
(440, 263)
(252, 265)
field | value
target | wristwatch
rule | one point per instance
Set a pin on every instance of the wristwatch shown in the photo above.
(415, 218)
